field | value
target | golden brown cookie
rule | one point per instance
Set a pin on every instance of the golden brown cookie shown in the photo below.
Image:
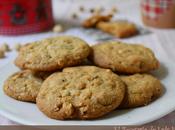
(95, 19)
(141, 89)
(124, 58)
(86, 92)
(120, 29)
(24, 85)
(52, 53)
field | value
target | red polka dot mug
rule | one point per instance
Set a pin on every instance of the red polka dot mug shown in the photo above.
(158, 13)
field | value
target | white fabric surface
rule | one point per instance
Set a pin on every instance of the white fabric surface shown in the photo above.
(162, 42)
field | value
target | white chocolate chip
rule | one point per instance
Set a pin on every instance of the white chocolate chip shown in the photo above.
(4, 47)
(17, 46)
(57, 28)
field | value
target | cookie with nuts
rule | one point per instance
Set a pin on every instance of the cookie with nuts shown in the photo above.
(86, 92)
(141, 89)
(52, 53)
(24, 85)
(124, 58)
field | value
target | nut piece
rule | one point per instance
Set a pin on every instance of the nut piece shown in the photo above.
(74, 16)
(17, 46)
(4, 47)
(57, 28)
(2, 54)
(81, 8)
(91, 10)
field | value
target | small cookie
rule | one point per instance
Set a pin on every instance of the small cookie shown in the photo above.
(80, 93)
(120, 29)
(24, 85)
(52, 53)
(95, 19)
(124, 58)
(141, 90)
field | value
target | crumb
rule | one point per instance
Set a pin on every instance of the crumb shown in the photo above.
(74, 16)
(2, 54)
(5, 47)
(57, 28)
(81, 8)
(92, 10)
(17, 46)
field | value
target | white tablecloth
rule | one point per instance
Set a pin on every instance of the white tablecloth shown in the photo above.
(161, 41)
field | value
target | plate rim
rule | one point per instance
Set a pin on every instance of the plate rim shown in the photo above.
(28, 122)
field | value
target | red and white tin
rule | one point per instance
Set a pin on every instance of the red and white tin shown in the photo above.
(158, 13)
(25, 16)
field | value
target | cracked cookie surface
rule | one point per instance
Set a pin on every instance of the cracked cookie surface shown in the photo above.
(24, 85)
(124, 58)
(86, 92)
(52, 53)
(141, 89)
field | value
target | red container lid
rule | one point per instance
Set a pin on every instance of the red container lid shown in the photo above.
(25, 16)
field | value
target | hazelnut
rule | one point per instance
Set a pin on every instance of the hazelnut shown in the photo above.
(74, 16)
(4, 47)
(57, 28)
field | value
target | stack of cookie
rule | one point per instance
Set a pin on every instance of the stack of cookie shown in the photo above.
(54, 75)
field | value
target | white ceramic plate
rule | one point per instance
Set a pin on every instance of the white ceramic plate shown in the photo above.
(28, 113)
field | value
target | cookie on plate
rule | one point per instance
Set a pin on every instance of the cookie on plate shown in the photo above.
(124, 58)
(24, 85)
(85, 92)
(95, 19)
(120, 29)
(141, 89)
(52, 53)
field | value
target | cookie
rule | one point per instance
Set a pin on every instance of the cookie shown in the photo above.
(85, 92)
(141, 89)
(24, 85)
(95, 19)
(52, 53)
(120, 29)
(124, 58)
